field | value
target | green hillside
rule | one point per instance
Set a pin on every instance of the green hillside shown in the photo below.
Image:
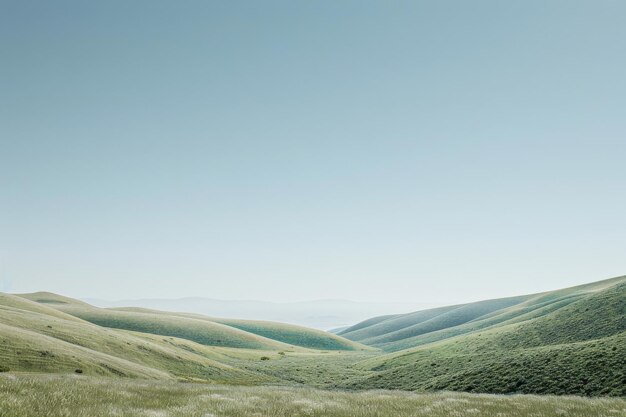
(39, 339)
(44, 332)
(455, 316)
(369, 323)
(295, 335)
(282, 332)
(378, 326)
(409, 325)
(570, 341)
(567, 342)
(16, 302)
(201, 329)
(414, 329)
(521, 312)
(585, 368)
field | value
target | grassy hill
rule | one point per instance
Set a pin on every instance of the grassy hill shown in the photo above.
(282, 332)
(393, 333)
(200, 329)
(584, 368)
(387, 331)
(295, 335)
(39, 339)
(451, 317)
(570, 341)
(44, 332)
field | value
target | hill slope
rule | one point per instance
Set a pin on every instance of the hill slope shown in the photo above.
(282, 332)
(36, 338)
(570, 341)
(404, 331)
(200, 329)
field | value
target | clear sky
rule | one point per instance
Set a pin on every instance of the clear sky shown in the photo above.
(423, 151)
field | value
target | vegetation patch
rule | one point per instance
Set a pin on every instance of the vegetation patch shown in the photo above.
(48, 396)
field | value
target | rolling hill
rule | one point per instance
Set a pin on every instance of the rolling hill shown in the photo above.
(37, 338)
(200, 329)
(570, 341)
(566, 342)
(321, 314)
(397, 332)
(282, 332)
(49, 333)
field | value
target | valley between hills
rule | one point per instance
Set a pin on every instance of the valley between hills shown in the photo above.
(558, 350)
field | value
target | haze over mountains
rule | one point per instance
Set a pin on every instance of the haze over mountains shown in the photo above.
(318, 314)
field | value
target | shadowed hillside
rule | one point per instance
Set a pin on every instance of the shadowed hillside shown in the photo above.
(570, 341)
(397, 332)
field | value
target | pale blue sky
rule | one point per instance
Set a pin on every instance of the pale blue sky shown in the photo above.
(423, 151)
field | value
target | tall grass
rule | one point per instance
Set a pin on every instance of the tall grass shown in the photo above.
(79, 396)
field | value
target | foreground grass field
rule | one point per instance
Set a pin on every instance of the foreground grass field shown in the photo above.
(79, 396)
